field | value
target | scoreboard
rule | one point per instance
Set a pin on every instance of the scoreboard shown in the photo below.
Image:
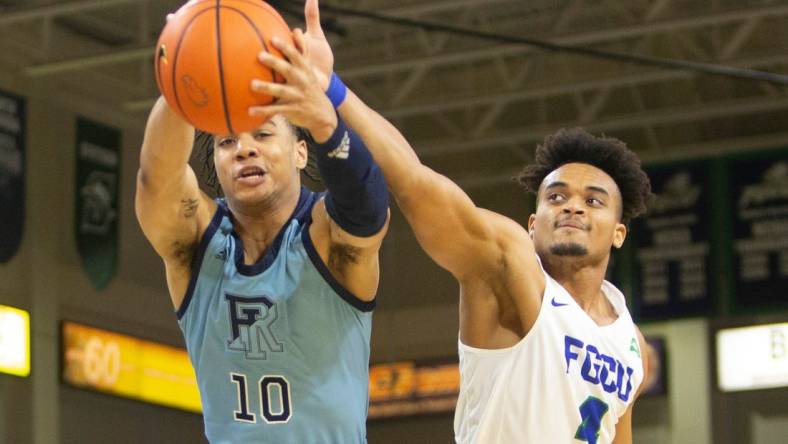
(129, 367)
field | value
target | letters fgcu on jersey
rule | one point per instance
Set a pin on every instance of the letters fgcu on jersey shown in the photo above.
(280, 349)
(566, 363)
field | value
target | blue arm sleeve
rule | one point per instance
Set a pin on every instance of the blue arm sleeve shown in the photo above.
(357, 198)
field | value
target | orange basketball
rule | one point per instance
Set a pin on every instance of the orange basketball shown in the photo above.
(206, 59)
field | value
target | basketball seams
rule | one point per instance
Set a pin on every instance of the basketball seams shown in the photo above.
(220, 64)
(274, 75)
(263, 20)
(251, 23)
(268, 9)
(175, 61)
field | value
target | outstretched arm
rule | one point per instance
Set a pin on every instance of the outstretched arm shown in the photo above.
(446, 221)
(170, 207)
(487, 252)
(491, 256)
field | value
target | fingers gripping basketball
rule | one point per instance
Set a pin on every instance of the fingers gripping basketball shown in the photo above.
(206, 58)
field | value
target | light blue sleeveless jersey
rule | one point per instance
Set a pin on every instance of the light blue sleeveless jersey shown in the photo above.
(280, 348)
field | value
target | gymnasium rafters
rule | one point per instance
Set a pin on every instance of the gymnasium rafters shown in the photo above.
(474, 108)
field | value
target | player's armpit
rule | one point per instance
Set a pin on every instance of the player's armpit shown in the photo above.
(174, 223)
(352, 260)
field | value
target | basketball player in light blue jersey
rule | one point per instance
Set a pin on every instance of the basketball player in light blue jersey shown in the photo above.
(273, 285)
(548, 350)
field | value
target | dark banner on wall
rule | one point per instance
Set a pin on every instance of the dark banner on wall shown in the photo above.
(12, 173)
(759, 200)
(672, 243)
(96, 211)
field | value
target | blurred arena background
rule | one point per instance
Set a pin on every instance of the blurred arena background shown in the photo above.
(76, 81)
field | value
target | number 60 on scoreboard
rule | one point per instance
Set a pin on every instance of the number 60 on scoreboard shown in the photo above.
(129, 367)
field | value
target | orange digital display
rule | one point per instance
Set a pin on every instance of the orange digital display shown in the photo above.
(161, 374)
(129, 367)
(409, 388)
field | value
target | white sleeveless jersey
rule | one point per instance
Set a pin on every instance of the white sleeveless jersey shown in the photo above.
(567, 381)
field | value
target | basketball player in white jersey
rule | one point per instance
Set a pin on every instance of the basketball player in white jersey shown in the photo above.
(548, 351)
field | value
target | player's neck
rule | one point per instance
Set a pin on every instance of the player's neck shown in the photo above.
(584, 284)
(258, 225)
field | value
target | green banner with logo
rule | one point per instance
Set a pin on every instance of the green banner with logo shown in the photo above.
(96, 200)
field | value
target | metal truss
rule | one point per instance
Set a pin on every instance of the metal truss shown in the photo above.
(453, 94)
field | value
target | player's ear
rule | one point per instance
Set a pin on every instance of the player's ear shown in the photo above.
(531, 223)
(619, 235)
(301, 153)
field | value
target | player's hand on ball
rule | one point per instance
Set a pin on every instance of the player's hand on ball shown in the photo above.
(301, 99)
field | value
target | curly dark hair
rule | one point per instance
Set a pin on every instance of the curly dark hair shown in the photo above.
(606, 153)
(203, 147)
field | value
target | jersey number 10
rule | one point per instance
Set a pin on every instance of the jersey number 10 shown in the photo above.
(275, 399)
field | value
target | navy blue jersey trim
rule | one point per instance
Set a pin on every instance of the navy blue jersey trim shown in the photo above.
(301, 213)
(347, 296)
(196, 264)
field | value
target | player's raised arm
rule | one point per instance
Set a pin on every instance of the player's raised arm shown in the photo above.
(446, 221)
(461, 237)
(170, 207)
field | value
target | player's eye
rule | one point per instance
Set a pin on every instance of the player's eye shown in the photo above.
(262, 134)
(226, 142)
(555, 197)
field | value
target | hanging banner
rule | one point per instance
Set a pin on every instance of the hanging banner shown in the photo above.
(673, 275)
(12, 173)
(96, 200)
(759, 199)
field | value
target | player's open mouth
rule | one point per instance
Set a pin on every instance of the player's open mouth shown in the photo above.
(250, 171)
(251, 175)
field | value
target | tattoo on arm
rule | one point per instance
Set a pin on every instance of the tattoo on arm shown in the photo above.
(340, 256)
(189, 207)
